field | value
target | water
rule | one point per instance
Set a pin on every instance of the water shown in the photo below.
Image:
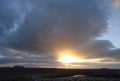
(79, 76)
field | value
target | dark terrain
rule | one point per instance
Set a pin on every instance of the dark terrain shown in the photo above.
(26, 74)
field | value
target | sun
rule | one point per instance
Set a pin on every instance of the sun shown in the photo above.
(67, 59)
(72, 59)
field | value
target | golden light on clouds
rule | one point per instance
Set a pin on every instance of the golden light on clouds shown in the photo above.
(72, 59)
(68, 56)
(68, 59)
(116, 3)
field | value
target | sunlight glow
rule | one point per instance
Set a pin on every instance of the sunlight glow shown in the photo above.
(67, 57)
(70, 58)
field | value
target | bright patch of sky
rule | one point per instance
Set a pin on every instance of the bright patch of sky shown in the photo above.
(113, 33)
(1, 56)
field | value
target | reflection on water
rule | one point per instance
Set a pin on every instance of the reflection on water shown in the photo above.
(76, 78)
(79, 76)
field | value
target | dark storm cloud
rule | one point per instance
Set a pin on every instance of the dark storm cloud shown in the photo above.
(52, 23)
(12, 15)
(43, 26)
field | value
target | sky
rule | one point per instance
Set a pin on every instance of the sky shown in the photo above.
(114, 28)
(60, 33)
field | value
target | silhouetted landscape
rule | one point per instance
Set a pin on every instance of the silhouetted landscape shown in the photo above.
(19, 73)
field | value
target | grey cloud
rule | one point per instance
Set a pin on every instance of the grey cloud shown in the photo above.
(11, 16)
(115, 53)
(97, 48)
(116, 3)
(52, 23)
(101, 49)
(6, 60)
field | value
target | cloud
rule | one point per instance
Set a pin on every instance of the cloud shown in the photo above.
(40, 27)
(116, 3)
(97, 48)
(56, 22)
(115, 53)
